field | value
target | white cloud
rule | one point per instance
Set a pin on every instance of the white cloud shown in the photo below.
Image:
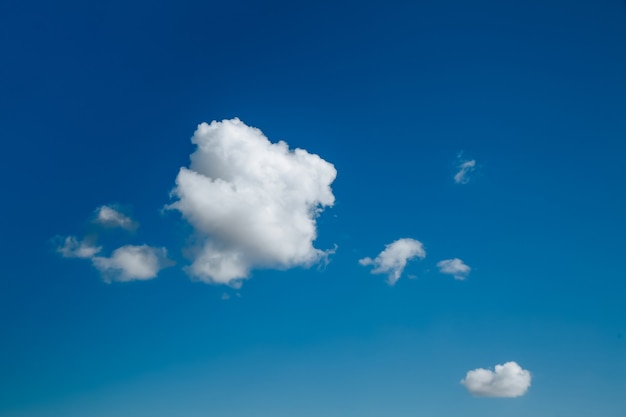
(508, 380)
(129, 263)
(109, 217)
(465, 167)
(454, 267)
(253, 203)
(393, 258)
(73, 248)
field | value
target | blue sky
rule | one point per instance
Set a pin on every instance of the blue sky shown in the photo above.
(98, 103)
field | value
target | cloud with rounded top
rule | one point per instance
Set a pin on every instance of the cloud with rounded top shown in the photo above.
(74, 248)
(131, 262)
(252, 202)
(507, 380)
(455, 267)
(393, 259)
(110, 217)
(126, 263)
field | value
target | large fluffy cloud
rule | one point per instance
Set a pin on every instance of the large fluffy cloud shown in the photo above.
(455, 267)
(110, 217)
(254, 203)
(508, 380)
(129, 263)
(393, 258)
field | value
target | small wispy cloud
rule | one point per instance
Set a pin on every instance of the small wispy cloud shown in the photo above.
(109, 217)
(454, 267)
(506, 381)
(130, 263)
(71, 247)
(464, 169)
(126, 263)
(393, 259)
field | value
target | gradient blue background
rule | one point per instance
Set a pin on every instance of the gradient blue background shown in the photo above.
(97, 105)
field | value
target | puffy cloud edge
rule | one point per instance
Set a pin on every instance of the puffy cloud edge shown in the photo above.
(507, 380)
(455, 267)
(394, 258)
(252, 202)
(132, 263)
(110, 217)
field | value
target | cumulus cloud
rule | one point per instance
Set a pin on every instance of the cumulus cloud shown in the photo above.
(508, 380)
(74, 248)
(454, 267)
(465, 168)
(129, 263)
(393, 258)
(126, 263)
(253, 203)
(109, 217)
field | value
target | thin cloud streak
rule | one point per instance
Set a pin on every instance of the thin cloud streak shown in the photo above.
(465, 168)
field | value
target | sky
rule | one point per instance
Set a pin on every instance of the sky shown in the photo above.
(313, 209)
